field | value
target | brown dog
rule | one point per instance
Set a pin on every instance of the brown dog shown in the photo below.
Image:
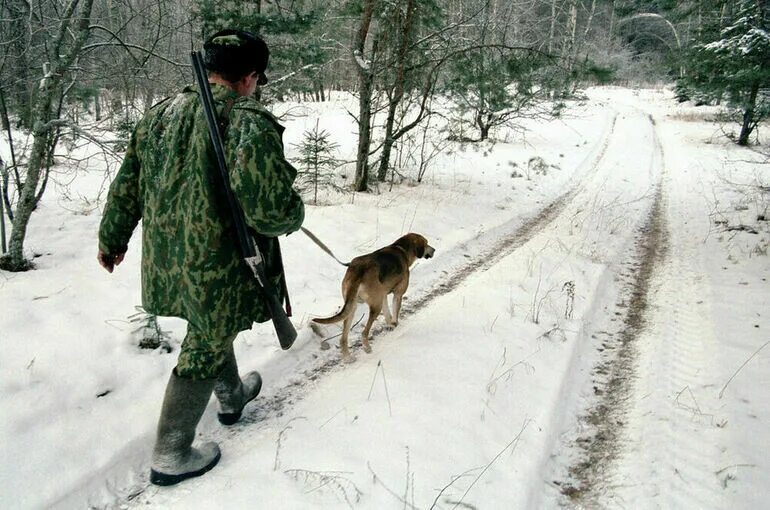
(371, 277)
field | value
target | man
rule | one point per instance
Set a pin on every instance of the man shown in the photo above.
(191, 266)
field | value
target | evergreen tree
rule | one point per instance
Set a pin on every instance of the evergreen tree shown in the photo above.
(492, 87)
(317, 162)
(735, 66)
(295, 54)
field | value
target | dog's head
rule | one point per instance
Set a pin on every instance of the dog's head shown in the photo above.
(416, 245)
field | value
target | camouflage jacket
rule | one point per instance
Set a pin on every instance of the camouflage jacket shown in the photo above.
(191, 266)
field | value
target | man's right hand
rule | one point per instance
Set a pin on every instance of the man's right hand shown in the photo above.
(109, 262)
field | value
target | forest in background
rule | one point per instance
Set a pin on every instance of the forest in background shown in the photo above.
(84, 71)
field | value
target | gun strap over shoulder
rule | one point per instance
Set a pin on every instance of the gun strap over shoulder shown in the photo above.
(224, 119)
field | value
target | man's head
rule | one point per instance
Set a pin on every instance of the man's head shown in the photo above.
(238, 57)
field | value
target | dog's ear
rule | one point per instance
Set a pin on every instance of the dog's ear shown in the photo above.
(420, 245)
(419, 248)
(415, 243)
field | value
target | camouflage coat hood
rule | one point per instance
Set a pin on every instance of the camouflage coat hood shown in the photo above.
(191, 267)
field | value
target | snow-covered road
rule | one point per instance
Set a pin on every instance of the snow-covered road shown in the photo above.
(690, 439)
(568, 345)
(465, 403)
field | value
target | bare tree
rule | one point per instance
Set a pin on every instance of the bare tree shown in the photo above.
(403, 23)
(70, 36)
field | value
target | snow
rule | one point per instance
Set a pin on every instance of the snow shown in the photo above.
(478, 397)
(361, 61)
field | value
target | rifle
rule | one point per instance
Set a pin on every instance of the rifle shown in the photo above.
(284, 329)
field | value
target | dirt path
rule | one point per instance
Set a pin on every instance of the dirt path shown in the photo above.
(477, 255)
(615, 371)
(648, 428)
(665, 437)
(504, 240)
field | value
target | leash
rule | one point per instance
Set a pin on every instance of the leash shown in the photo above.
(321, 245)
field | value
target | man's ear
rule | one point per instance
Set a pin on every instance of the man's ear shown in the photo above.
(247, 80)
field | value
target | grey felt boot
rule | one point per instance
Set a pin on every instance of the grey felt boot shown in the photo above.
(233, 393)
(174, 459)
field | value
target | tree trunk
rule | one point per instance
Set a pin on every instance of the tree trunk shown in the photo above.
(361, 182)
(484, 122)
(2, 212)
(748, 115)
(26, 204)
(365, 81)
(97, 106)
(572, 29)
(612, 25)
(552, 29)
(6, 123)
(4, 173)
(20, 90)
(4, 177)
(398, 91)
(589, 21)
(387, 145)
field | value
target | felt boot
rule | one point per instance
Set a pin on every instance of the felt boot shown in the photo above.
(174, 459)
(233, 393)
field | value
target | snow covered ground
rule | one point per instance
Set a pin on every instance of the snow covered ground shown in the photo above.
(579, 338)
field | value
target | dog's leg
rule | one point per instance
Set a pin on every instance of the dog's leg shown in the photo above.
(344, 338)
(374, 312)
(386, 310)
(396, 306)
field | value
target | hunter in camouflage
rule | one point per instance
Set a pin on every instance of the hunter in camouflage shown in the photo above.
(191, 266)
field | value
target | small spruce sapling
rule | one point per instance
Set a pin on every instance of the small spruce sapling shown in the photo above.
(317, 162)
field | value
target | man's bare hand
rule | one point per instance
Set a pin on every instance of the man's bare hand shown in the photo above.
(109, 262)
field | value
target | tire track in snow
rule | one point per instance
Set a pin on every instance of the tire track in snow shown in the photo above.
(615, 372)
(485, 250)
(496, 244)
(674, 401)
(510, 237)
(669, 404)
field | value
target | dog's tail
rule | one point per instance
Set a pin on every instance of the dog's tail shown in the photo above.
(347, 308)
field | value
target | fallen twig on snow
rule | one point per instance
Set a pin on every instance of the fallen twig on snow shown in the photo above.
(733, 466)
(514, 442)
(339, 484)
(742, 228)
(741, 367)
(385, 383)
(278, 442)
(393, 493)
(451, 482)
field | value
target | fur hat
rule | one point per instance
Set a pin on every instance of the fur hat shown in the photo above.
(235, 53)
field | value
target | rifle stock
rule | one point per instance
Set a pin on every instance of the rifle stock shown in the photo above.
(284, 329)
